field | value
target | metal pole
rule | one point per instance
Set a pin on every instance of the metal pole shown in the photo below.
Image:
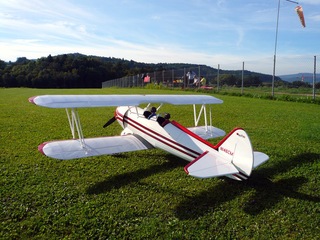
(314, 78)
(218, 77)
(275, 51)
(199, 76)
(163, 77)
(172, 78)
(184, 78)
(242, 78)
(275, 46)
(142, 80)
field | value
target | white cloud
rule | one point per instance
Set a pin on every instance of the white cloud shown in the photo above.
(312, 2)
(199, 31)
(315, 18)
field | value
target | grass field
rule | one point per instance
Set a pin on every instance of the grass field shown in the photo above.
(147, 195)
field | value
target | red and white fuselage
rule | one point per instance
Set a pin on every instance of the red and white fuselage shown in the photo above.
(180, 141)
(173, 137)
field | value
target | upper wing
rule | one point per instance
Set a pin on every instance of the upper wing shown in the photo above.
(207, 132)
(71, 149)
(79, 101)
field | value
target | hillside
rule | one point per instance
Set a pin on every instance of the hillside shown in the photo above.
(304, 77)
(76, 70)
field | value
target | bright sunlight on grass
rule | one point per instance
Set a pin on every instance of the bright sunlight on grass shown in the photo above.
(147, 195)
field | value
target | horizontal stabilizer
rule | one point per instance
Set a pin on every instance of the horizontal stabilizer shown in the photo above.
(71, 149)
(259, 158)
(208, 165)
(207, 132)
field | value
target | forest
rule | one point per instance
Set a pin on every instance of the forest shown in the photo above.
(62, 71)
(81, 71)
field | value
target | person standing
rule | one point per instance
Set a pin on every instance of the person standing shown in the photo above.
(203, 81)
(191, 75)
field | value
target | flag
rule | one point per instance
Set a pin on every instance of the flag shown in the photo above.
(299, 11)
(146, 79)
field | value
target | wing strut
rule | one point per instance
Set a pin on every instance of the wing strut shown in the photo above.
(75, 125)
(197, 118)
(207, 129)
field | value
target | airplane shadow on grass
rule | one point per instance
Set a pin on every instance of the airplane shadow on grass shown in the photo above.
(266, 192)
(121, 180)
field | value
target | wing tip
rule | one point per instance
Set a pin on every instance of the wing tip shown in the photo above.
(31, 100)
(41, 146)
(186, 169)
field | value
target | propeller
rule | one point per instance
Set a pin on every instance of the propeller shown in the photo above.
(111, 120)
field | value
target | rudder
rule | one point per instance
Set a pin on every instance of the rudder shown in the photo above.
(237, 148)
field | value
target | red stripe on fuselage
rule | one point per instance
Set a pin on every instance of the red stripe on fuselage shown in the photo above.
(192, 134)
(158, 137)
(162, 139)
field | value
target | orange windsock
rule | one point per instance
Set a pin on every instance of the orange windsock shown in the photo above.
(299, 11)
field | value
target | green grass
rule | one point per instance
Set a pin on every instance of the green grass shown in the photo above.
(147, 195)
(280, 93)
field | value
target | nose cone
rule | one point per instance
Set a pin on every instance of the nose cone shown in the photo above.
(120, 113)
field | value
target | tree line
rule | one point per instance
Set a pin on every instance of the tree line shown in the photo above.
(63, 71)
(81, 71)
(71, 71)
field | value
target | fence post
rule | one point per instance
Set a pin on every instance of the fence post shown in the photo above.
(199, 76)
(163, 77)
(218, 77)
(172, 86)
(184, 78)
(154, 78)
(242, 78)
(314, 77)
(142, 78)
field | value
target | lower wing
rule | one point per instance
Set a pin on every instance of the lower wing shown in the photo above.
(207, 132)
(71, 149)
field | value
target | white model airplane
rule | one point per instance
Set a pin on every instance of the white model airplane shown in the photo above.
(233, 156)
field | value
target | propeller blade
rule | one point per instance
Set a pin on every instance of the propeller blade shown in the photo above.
(109, 122)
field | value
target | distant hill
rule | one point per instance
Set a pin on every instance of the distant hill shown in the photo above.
(303, 77)
(76, 70)
(205, 70)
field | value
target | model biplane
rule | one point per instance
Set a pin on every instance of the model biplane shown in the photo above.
(233, 156)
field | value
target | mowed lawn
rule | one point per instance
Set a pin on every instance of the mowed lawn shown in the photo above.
(147, 195)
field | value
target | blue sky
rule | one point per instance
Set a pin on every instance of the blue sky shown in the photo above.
(211, 32)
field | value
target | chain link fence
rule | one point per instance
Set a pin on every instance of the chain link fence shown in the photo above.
(235, 76)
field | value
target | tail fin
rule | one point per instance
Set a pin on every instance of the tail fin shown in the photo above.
(232, 157)
(237, 148)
